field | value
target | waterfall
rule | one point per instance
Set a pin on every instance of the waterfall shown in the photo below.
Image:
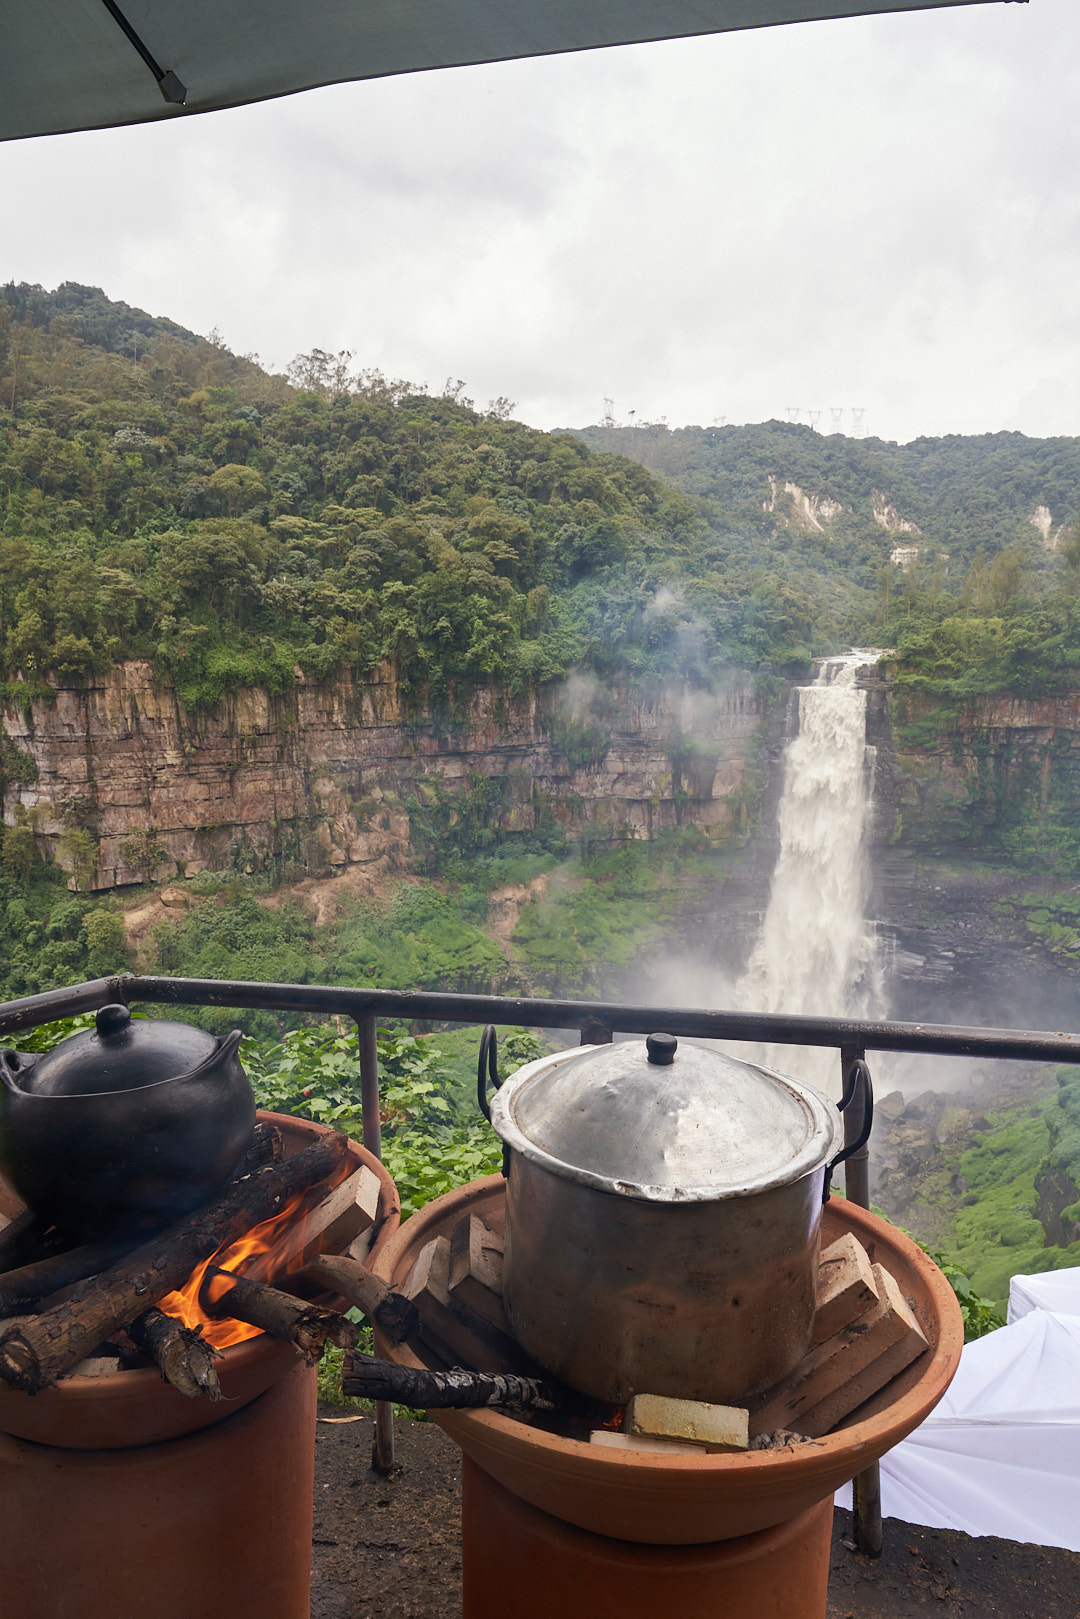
(815, 954)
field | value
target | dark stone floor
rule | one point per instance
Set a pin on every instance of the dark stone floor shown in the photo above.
(388, 1548)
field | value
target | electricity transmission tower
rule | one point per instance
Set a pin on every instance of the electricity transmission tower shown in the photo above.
(608, 418)
(857, 414)
(836, 412)
(813, 417)
(794, 412)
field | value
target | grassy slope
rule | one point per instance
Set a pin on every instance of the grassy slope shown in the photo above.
(977, 1198)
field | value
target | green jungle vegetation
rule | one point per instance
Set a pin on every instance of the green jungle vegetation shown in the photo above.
(601, 907)
(963, 493)
(986, 609)
(166, 499)
(1003, 1195)
(49, 936)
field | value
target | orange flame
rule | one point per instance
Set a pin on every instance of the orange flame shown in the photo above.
(246, 1251)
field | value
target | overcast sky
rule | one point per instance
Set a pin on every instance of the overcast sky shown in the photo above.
(880, 213)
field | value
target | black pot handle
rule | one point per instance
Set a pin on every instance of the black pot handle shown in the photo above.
(14, 1064)
(487, 1069)
(856, 1080)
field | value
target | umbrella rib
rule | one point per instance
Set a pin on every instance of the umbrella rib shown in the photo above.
(168, 83)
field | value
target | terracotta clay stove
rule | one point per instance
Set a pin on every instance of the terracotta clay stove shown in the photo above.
(120, 1495)
(553, 1524)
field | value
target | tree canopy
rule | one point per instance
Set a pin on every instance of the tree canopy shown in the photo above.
(166, 499)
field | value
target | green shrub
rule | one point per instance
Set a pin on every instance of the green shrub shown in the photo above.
(106, 942)
(315, 1073)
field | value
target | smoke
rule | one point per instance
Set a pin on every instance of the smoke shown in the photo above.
(689, 715)
(685, 636)
(581, 697)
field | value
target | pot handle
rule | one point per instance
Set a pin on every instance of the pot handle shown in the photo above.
(856, 1079)
(487, 1069)
(226, 1049)
(14, 1063)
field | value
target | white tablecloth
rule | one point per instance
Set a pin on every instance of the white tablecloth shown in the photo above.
(1001, 1453)
(1055, 1290)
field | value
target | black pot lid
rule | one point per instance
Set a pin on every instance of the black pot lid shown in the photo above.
(119, 1054)
(666, 1121)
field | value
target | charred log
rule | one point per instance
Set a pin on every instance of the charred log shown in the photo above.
(34, 1353)
(368, 1379)
(396, 1317)
(183, 1356)
(309, 1326)
(23, 1289)
(267, 1147)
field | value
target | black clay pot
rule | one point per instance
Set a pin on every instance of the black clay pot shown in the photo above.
(122, 1128)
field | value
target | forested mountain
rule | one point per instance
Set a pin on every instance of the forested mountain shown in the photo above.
(955, 495)
(962, 553)
(166, 499)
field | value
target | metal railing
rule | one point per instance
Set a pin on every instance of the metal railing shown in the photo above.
(597, 1022)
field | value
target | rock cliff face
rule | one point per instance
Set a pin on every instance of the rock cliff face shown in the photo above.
(964, 803)
(965, 780)
(130, 785)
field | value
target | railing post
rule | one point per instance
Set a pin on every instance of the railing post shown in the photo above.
(369, 1085)
(865, 1486)
(382, 1456)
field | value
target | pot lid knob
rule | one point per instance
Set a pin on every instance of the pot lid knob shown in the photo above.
(661, 1049)
(112, 1020)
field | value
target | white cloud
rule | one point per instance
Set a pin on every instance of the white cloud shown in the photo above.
(878, 212)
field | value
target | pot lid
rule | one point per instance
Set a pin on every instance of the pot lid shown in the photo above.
(119, 1054)
(666, 1121)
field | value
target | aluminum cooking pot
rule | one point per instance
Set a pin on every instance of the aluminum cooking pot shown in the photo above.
(663, 1208)
(123, 1127)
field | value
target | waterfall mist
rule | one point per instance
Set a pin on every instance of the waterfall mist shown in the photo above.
(816, 954)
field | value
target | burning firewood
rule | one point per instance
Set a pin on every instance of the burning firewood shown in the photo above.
(184, 1358)
(36, 1261)
(23, 1288)
(369, 1379)
(279, 1315)
(346, 1212)
(396, 1317)
(34, 1353)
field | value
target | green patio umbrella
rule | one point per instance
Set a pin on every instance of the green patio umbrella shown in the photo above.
(90, 64)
